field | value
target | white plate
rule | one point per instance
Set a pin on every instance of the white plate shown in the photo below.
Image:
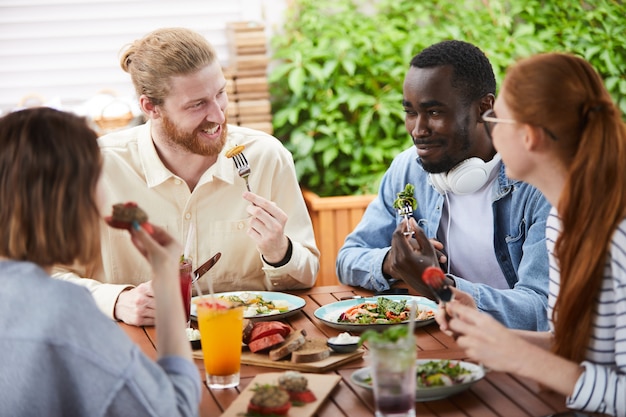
(295, 303)
(360, 377)
(330, 313)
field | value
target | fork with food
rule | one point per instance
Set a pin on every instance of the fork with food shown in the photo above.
(405, 204)
(241, 163)
(436, 280)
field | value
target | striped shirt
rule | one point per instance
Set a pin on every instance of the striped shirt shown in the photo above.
(602, 385)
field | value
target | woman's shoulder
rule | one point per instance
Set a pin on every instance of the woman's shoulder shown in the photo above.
(53, 310)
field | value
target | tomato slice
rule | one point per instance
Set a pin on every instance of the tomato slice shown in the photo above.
(433, 277)
(302, 397)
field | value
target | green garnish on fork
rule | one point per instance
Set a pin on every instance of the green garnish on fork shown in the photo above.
(405, 204)
(405, 198)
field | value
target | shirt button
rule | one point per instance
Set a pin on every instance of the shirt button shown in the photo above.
(177, 182)
(241, 225)
(188, 216)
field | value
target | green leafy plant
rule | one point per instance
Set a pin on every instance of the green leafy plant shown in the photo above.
(339, 66)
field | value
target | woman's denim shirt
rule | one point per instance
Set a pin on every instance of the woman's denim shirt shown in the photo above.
(519, 213)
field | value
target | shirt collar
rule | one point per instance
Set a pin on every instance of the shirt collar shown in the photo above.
(157, 173)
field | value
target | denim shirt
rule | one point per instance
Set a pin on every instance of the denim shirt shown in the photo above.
(519, 213)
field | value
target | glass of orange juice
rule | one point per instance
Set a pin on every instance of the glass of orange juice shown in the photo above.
(221, 332)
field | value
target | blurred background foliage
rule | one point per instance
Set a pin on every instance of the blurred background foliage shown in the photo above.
(338, 67)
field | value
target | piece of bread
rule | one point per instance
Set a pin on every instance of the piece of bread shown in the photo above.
(128, 212)
(125, 214)
(313, 350)
(248, 325)
(292, 343)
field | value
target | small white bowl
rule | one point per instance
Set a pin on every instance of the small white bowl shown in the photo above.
(342, 347)
(193, 336)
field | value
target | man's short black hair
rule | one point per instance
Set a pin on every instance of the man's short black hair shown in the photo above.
(473, 73)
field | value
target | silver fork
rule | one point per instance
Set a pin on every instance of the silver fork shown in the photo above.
(241, 163)
(407, 211)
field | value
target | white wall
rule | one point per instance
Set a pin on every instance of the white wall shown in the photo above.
(66, 51)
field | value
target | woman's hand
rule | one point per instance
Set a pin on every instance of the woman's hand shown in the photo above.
(160, 249)
(163, 252)
(443, 317)
(484, 339)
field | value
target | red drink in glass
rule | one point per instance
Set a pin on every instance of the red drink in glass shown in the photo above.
(185, 285)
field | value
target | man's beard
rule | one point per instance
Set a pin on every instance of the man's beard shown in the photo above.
(443, 165)
(190, 141)
(447, 162)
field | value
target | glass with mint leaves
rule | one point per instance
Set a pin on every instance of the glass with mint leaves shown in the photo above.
(392, 355)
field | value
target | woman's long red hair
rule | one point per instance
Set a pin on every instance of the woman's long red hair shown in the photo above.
(564, 94)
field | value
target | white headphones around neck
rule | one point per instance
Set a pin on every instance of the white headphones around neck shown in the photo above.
(465, 178)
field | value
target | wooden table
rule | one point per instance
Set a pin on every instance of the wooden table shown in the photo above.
(498, 394)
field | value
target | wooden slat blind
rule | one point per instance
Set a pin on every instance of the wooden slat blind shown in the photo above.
(67, 50)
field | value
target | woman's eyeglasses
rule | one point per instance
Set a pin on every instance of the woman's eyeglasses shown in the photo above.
(490, 119)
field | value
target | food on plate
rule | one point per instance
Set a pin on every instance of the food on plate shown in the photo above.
(269, 400)
(125, 214)
(292, 343)
(267, 334)
(437, 373)
(383, 311)
(235, 150)
(266, 342)
(405, 199)
(296, 385)
(248, 325)
(313, 350)
(266, 328)
(278, 341)
(256, 305)
(441, 373)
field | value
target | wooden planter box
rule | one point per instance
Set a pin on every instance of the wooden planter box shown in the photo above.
(333, 219)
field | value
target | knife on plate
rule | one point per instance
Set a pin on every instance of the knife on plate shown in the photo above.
(204, 268)
(436, 281)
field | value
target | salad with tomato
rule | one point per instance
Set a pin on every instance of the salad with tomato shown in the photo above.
(383, 311)
(441, 373)
(255, 304)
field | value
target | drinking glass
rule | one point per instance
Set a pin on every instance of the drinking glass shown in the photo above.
(185, 270)
(221, 332)
(393, 370)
